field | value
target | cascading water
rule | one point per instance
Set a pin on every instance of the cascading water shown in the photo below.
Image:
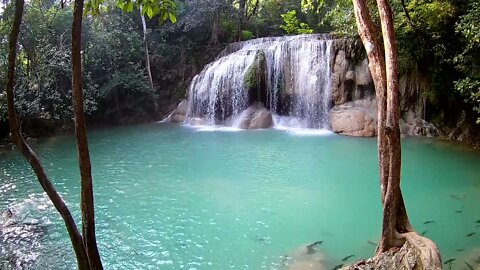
(296, 85)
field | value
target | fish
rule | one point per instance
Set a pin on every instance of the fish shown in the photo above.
(469, 266)
(449, 261)
(372, 243)
(429, 221)
(458, 211)
(470, 234)
(311, 247)
(348, 257)
(424, 232)
(260, 239)
(455, 197)
(337, 267)
(460, 250)
(315, 244)
(478, 221)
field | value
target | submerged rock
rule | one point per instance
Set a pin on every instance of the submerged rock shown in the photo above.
(305, 258)
(255, 117)
(356, 118)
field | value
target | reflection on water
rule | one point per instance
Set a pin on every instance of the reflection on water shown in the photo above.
(170, 197)
(21, 234)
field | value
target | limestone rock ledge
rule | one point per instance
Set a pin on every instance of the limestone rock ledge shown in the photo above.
(356, 118)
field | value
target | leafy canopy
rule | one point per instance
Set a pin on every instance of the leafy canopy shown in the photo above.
(292, 25)
(164, 9)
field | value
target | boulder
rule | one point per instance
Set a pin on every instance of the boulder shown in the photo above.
(417, 127)
(356, 118)
(255, 117)
(180, 113)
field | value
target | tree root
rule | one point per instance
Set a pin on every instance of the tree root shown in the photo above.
(415, 254)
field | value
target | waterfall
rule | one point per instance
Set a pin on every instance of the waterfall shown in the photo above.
(295, 84)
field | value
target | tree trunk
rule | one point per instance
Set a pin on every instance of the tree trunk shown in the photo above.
(393, 193)
(147, 63)
(215, 27)
(241, 17)
(87, 203)
(27, 152)
(385, 77)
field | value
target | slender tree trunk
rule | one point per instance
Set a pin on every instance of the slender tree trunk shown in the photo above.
(147, 62)
(385, 77)
(392, 200)
(215, 27)
(88, 211)
(241, 18)
(29, 154)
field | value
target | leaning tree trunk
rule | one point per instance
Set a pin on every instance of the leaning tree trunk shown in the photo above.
(395, 216)
(396, 228)
(147, 63)
(87, 203)
(29, 154)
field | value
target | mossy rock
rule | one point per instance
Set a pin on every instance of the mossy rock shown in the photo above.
(255, 79)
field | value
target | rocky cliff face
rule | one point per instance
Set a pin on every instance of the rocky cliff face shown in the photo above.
(354, 108)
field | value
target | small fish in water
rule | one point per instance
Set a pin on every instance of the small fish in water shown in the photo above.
(469, 266)
(315, 244)
(478, 221)
(460, 250)
(429, 221)
(372, 243)
(449, 261)
(424, 232)
(455, 197)
(311, 247)
(348, 257)
(470, 234)
(337, 267)
(458, 211)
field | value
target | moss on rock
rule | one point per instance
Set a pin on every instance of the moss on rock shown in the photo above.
(255, 79)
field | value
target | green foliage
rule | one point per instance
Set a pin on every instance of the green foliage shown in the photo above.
(164, 9)
(293, 26)
(468, 60)
(247, 35)
(312, 5)
(341, 19)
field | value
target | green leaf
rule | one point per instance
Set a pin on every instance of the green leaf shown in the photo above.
(164, 16)
(149, 12)
(172, 17)
(129, 6)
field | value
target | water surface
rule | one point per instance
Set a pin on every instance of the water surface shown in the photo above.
(174, 197)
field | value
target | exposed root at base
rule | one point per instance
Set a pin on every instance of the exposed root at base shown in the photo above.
(417, 253)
